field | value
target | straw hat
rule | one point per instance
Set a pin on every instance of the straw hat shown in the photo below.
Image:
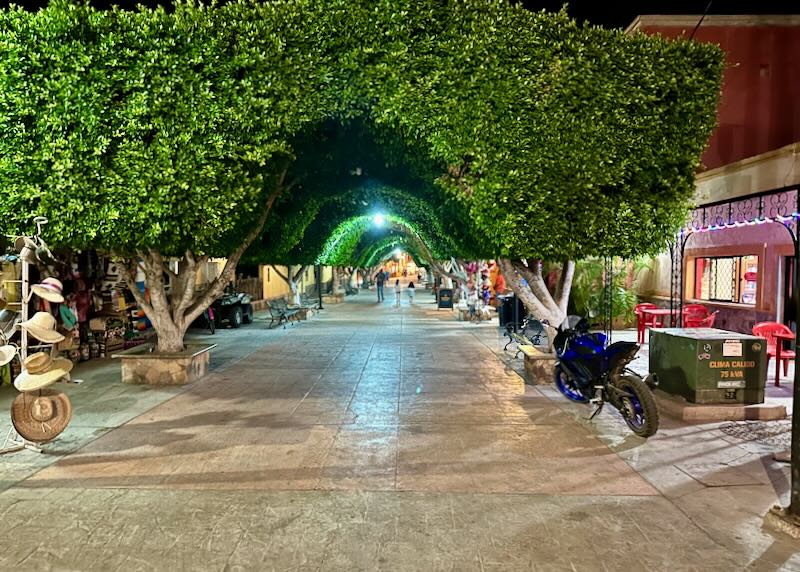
(49, 289)
(7, 353)
(42, 327)
(40, 370)
(41, 416)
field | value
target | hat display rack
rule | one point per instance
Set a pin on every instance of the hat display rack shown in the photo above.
(38, 413)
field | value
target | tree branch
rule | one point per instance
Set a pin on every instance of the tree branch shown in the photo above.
(220, 282)
(565, 285)
(534, 278)
(299, 273)
(532, 304)
(129, 267)
(280, 274)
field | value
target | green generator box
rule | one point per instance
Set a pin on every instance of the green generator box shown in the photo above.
(706, 365)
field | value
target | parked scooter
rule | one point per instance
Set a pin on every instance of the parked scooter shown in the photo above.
(590, 371)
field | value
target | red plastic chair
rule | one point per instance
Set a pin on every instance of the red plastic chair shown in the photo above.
(697, 322)
(767, 330)
(696, 309)
(642, 321)
(693, 315)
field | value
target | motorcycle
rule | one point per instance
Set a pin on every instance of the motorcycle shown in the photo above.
(589, 370)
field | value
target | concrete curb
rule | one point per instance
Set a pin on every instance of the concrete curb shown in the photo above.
(679, 408)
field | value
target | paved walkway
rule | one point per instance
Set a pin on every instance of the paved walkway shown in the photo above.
(372, 438)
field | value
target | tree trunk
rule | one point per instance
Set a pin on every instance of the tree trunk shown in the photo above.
(293, 280)
(537, 299)
(172, 313)
(337, 282)
(353, 281)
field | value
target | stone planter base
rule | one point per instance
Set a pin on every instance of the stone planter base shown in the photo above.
(539, 366)
(304, 313)
(140, 365)
(333, 298)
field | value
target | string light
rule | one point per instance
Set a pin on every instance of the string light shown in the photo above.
(738, 224)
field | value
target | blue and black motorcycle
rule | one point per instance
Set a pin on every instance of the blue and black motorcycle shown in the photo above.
(591, 371)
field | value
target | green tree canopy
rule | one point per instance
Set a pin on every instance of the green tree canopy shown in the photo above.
(152, 133)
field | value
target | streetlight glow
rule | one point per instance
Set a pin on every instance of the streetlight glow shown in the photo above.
(378, 219)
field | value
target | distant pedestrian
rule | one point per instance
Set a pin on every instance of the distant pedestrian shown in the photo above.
(397, 293)
(411, 290)
(380, 278)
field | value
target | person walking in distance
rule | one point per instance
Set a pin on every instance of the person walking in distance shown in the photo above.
(411, 290)
(397, 293)
(380, 278)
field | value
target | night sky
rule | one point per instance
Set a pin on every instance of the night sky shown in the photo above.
(598, 12)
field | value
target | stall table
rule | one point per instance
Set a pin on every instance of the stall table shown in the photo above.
(658, 315)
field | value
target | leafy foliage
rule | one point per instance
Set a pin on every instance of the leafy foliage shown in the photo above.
(589, 288)
(525, 134)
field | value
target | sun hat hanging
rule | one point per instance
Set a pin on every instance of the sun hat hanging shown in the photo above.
(42, 326)
(40, 370)
(7, 353)
(49, 289)
(41, 416)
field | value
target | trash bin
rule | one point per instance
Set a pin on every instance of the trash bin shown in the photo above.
(707, 365)
(505, 312)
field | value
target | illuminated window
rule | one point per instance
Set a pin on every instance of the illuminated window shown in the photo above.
(726, 279)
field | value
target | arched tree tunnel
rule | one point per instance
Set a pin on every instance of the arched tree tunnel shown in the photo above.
(358, 190)
(488, 130)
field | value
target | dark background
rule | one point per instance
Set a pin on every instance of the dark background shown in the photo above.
(608, 14)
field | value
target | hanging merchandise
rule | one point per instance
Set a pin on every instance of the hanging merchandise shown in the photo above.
(8, 322)
(42, 327)
(94, 347)
(37, 414)
(41, 416)
(68, 317)
(7, 353)
(40, 370)
(50, 289)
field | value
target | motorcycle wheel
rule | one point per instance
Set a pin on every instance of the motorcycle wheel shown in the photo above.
(247, 316)
(567, 387)
(639, 408)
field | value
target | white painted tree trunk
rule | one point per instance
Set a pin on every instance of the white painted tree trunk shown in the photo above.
(539, 302)
(294, 286)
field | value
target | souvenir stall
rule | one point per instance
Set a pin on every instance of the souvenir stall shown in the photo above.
(57, 309)
(39, 413)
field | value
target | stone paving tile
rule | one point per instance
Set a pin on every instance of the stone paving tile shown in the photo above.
(367, 439)
(212, 530)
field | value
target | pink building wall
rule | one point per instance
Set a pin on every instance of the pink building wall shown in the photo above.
(760, 106)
